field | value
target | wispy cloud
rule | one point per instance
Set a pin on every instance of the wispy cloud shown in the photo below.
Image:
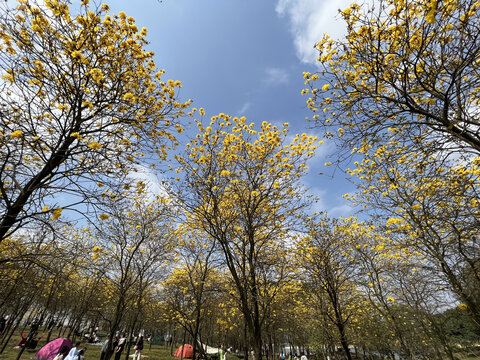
(309, 20)
(154, 185)
(244, 108)
(275, 76)
(342, 207)
(344, 210)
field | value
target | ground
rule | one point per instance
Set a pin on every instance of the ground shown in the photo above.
(157, 352)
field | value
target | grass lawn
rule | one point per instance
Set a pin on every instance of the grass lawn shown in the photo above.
(157, 352)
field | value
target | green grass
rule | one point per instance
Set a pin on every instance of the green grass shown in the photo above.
(468, 357)
(157, 352)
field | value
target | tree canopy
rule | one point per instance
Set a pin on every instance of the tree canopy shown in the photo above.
(81, 101)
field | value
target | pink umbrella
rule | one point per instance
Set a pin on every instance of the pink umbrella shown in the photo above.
(50, 350)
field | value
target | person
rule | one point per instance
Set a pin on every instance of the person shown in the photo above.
(32, 343)
(3, 323)
(80, 355)
(73, 352)
(59, 356)
(111, 349)
(23, 341)
(51, 324)
(31, 340)
(120, 347)
(303, 357)
(34, 327)
(114, 346)
(61, 353)
(221, 353)
(138, 348)
(92, 337)
(103, 351)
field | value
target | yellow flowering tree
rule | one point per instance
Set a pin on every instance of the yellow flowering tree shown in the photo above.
(242, 186)
(330, 272)
(81, 101)
(189, 292)
(134, 244)
(291, 319)
(400, 93)
(402, 290)
(375, 294)
(404, 65)
(430, 209)
(22, 281)
(47, 276)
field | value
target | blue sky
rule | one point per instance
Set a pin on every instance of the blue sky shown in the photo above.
(246, 58)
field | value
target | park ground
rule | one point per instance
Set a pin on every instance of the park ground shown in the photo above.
(153, 352)
(156, 352)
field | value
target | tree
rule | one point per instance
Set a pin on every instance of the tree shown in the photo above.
(404, 290)
(460, 329)
(408, 66)
(330, 273)
(42, 277)
(134, 242)
(430, 209)
(190, 289)
(402, 96)
(81, 101)
(243, 187)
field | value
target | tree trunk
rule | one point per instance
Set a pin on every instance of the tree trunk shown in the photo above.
(245, 339)
(183, 344)
(343, 340)
(129, 343)
(7, 339)
(172, 342)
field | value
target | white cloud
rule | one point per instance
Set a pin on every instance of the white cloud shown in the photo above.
(275, 76)
(342, 207)
(309, 20)
(244, 108)
(155, 186)
(344, 210)
(324, 152)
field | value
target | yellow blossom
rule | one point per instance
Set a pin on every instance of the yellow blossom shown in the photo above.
(95, 145)
(56, 213)
(128, 96)
(16, 134)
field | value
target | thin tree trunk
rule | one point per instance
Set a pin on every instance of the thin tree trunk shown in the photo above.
(172, 342)
(343, 340)
(245, 338)
(7, 339)
(129, 343)
(183, 344)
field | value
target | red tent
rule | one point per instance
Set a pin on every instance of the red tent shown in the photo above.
(187, 351)
(50, 350)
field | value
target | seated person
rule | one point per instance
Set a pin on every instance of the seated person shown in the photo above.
(22, 341)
